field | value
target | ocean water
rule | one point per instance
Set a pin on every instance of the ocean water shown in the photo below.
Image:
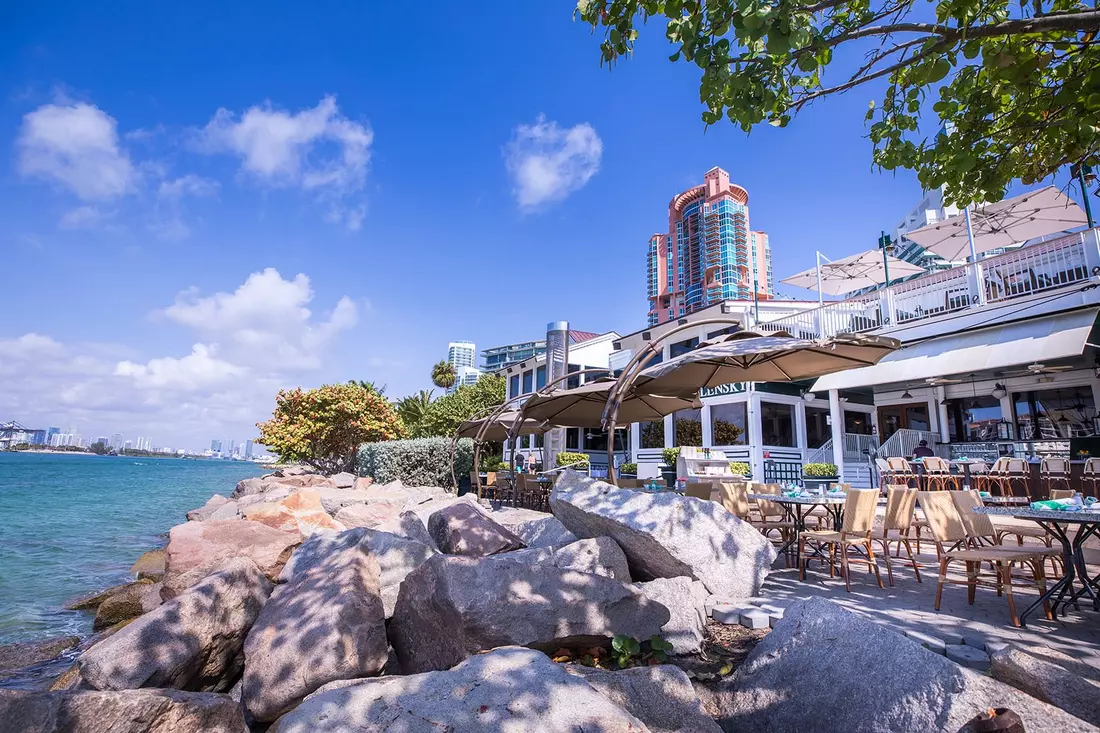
(74, 524)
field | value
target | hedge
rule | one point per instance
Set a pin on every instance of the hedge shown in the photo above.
(571, 459)
(418, 462)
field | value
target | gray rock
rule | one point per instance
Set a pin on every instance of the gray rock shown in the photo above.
(203, 513)
(967, 656)
(504, 691)
(192, 642)
(343, 480)
(196, 549)
(133, 711)
(371, 515)
(685, 600)
(600, 555)
(451, 607)
(27, 653)
(891, 685)
(426, 507)
(326, 623)
(333, 499)
(460, 529)
(755, 619)
(408, 525)
(1049, 681)
(150, 566)
(665, 535)
(129, 601)
(314, 550)
(536, 529)
(661, 697)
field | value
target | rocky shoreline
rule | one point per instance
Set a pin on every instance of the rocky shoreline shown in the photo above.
(302, 602)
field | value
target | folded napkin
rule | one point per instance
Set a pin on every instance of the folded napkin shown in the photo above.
(1058, 505)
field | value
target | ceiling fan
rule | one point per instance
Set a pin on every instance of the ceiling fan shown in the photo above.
(935, 381)
(1037, 369)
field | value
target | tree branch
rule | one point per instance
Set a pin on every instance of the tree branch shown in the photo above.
(852, 83)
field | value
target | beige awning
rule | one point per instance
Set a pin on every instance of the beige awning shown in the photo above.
(498, 429)
(1057, 336)
(582, 407)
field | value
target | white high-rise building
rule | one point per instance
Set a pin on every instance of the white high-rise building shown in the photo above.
(930, 210)
(462, 355)
(116, 441)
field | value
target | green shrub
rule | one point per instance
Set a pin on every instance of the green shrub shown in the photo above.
(417, 462)
(823, 470)
(629, 468)
(669, 455)
(572, 459)
(740, 468)
(493, 463)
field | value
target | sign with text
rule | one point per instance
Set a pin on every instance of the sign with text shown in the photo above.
(724, 389)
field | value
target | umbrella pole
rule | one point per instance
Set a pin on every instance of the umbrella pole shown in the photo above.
(820, 298)
(978, 284)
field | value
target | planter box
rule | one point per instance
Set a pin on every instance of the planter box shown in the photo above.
(813, 483)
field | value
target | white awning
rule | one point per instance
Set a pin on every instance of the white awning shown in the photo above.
(1051, 337)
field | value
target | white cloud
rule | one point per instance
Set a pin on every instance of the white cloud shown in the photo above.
(189, 185)
(316, 149)
(198, 370)
(547, 162)
(75, 145)
(83, 217)
(168, 216)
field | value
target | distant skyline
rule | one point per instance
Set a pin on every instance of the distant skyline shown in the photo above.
(278, 194)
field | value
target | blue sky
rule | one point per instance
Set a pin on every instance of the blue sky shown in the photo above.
(205, 202)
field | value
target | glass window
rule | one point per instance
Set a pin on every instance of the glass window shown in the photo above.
(540, 377)
(513, 386)
(777, 424)
(687, 428)
(973, 419)
(1053, 414)
(683, 347)
(595, 440)
(723, 331)
(528, 382)
(818, 429)
(572, 382)
(857, 423)
(572, 438)
(729, 423)
(538, 441)
(652, 434)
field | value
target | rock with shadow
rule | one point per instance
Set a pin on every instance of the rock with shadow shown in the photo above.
(150, 566)
(1047, 680)
(133, 711)
(408, 525)
(301, 511)
(666, 535)
(823, 668)
(369, 515)
(536, 529)
(452, 607)
(507, 690)
(686, 600)
(661, 696)
(325, 623)
(129, 601)
(216, 507)
(196, 549)
(601, 555)
(14, 657)
(192, 642)
(461, 529)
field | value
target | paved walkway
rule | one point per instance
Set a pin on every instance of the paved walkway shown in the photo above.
(910, 606)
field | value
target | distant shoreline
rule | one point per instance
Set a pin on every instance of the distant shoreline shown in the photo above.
(152, 457)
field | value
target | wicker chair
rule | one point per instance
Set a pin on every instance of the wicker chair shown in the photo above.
(859, 519)
(953, 545)
(979, 475)
(772, 516)
(981, 531)
(1054, 473)
(937, 474)
(901, 502)
(1061, 493)
(901, 472)
(1007, 472)
(885, 474)
(1090, 475)
(699, 490)
(734, 496)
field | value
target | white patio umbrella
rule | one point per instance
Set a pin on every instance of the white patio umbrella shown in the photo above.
(1003, 224)
(852, 273)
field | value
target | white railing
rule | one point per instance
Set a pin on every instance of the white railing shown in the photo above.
(821, 454)
(1037, 268)
(856, 446)
(902, 443)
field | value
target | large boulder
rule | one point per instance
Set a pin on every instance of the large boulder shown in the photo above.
(333, 500)
(343, 480)
(150, 566)
(460, 529)
(426, 507)
(408, 525)
(889, 683)
(661, 697)
(129, 601)
(536, 529)
(192, 642)
(133, 711)
(1048, 681)
(451, 607)
(302, 511)
(326, 623)
(25, 653)
(601, 556)
(196, 549)
(369, 515)
(212, 505)
(665, 535)
(507, 690)
(686, 601)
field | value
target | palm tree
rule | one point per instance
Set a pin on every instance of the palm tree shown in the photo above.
(443, 375)
(378, 389)
(413, 408)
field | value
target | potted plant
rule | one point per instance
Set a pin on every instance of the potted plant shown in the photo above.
(819, 475)
(668, 472)
(740, 468)
(628, 470)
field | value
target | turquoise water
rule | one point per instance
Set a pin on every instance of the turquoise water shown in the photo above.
(73, 524)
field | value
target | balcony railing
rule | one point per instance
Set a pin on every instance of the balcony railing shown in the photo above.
(1025, 272)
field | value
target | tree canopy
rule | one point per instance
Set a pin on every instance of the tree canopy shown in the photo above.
(973, 94)
(324, 427)
(444, 415)
(444, 375)
(412, 409)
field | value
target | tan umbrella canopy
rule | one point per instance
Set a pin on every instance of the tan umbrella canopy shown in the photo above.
(583, 407)
(497, 431)
(1003, 224)
(856, 272)
(752, 357)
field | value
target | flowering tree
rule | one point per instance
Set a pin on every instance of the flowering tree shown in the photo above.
(324, 427)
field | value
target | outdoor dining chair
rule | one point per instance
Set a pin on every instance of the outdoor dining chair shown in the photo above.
(1062, 493)
(855, 533)
(1090, 475)
(1054, 473)
(1006, 473)
(885, 474)
(699, 490)
(901, 471)
(981, 531)
(953, 545)
(979, 475)
(772, 516)
(734, 496)
(897, 522)
(937, 474)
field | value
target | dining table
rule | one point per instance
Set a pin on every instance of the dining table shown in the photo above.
(1060, 525)
(797, 507)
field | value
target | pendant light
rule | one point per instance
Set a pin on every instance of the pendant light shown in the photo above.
(974, 397)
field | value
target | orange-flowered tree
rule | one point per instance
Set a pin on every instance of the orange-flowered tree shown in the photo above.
(324, 427)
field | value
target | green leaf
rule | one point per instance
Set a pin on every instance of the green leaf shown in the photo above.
(939, 70)
(726, 669)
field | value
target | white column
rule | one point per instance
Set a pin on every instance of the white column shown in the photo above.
(836, 417)
(941, 414)
(704, 416)
(755, 437)
(800, 425)
(635, 442)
